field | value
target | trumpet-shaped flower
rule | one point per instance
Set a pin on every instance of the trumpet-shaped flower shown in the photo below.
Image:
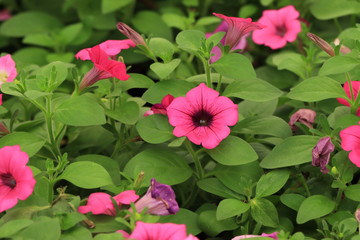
(159, 200)
(282, 26)
(350, 141)
(321, 154)
(100, 203)
(160, 108)
(202, 116)
(304, 116)
(355, 86)
(7, 69)
(16, 179)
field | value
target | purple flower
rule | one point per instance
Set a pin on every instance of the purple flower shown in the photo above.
(321, 154)
(304, 116)
(159, 200)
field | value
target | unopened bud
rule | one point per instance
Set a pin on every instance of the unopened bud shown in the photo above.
(131, 34)
(334, 171)
(139, 179)
(322, 44)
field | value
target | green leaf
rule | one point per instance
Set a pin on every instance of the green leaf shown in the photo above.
(108, 6)
(184, 216)
(164, 165)
(70, 33)
(127, 112)
(162, 48)
(329, 9)
(233, 151)
(80, 111)
(71, 219)
(49, 77)
(228, 208)
(136, 81)
(338, 64)
(175, 20)
(248, 10)
(155, 128)
(214, 186)
(190, 40)
(271, 182)
(28, 142)
(264, 212)
(163, 70)
(36, 230)
(314, 207)
(292, 151)
(10, 228)
(292, 200)
(30, 55)
(353, 192)
(215, 39)
(207, 20)
(235, 66)
(78, 233)
(150, 22)
(109, 236)
(86, 174)
(34, 94)
(40, 39)
(252, 89)
(211, 226)
(316, 89)
(29, 23)
(260, 109)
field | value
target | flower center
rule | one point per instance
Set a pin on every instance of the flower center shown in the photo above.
(3, 76)
(281, 30)
(8, 180)
(202, 118)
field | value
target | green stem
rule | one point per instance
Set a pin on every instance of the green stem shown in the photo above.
(51, 191)
(303, 181)
(208, 73)
(257, 229)
(197, 162)
(219, 84)
(337, 24)
(338, 198)
(49, 124)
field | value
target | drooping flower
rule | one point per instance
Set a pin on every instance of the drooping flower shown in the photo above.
(160, 108)
(7, 69)
(103, 68)
(131, 34)
(304, 116)
(325, 46)
(271, 235)
(202, 116)
(355, 86)
(237, 28)
(4, 15)
(282, 26)
(100, 203)
(157, 231)
(350, 141)
(159, 200)
(110, 47)
(16, 179)
(321, 154)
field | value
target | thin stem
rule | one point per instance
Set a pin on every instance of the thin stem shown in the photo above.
(48, 117)
(219, 84)
(197, 162)
(338, 198)
(337, 24)
(208, 73)
(51, 191)
(303, 181)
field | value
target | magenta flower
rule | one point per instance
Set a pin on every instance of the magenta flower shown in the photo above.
(304, 116)
(159, 200)
(160, 108)
(110, 47)
(355, 86)
(100, 203)
(282, 26)
(237, 28)
(271, 235)
(7, 69)
(350, 141)
(321, 154)
(163, 231)
(16, 179)
(4, 15)
(103, 68)
(202, 116)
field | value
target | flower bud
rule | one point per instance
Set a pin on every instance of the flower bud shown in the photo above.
(321, 154)
(131, 33)
(322, 44)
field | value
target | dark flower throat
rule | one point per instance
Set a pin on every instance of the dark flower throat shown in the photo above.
(8, 180)
(202, 118)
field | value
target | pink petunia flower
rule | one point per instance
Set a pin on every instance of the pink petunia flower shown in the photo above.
(110, 47)
(160, 108)
(304, 116)
(159, 200)
(100, 203)
(271, 235)
(355, 86)
(7, 69)
(157, 231)
(282, 26)
(350, 141)
(4, 15)
(103, 68)
(202, 116)
(16, 179)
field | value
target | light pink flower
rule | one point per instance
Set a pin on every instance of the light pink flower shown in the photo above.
(100, 203)
(202, 116)
(103, 68)
(7, 69)
(282, 26)
(355, 86)
(350, 141)
(304, 116)
(4, 15)
(110, 47)
(160, 231)
(271, 235)
(16, 179)
(160, 108)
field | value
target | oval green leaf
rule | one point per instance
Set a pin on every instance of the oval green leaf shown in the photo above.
(271, 182)
(314, 207)
(235, 66)
(28, 142)
(155, 128)
(264, 212)
(228, 208)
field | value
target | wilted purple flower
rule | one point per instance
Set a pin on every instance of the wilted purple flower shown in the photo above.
(304, 116)
(159, 200)
(321, 154)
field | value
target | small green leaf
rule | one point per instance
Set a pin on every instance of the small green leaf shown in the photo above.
(353, 192)
(264, 212)
(228, 208)
(163, 70)
(271, 182)
(49, 77)
(150, 22)
(338, 64)
(314, 207)
(155, 129)
(36, 230)
(292, 200)
(184, 216)
(108, 6)
(10, 228)
(190, 40)
(214, 186)
(162, 48)
(211, 226)
(235, 66)
(330, 9)
(127, 113)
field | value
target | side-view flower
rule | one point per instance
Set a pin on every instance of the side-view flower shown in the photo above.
(8, 71)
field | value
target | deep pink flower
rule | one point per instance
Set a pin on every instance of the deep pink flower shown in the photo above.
(16, 179)
(202, 116)
(355, 86)
(110, 47)
(304, 116)
(321, 154)
(4, 15)
(100, 203)
(237, 28)
(271, 235)
(350, 141)
(157, 231)
(103, 68)
(282, 26)
(159, 200)
(160, 108)
(7, 69)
